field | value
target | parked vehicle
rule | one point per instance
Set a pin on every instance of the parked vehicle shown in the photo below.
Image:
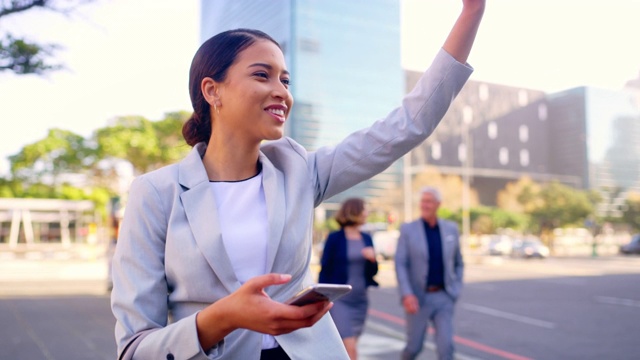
(499, 245)
(385, 243)
(633, 247)
(529, 247)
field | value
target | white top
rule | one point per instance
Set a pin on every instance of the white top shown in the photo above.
(242, 213)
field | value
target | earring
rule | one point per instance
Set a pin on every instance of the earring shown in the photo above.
(215, 107)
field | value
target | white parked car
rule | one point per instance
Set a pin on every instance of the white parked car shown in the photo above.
(529, 247)
(385, 243)
(499, 245)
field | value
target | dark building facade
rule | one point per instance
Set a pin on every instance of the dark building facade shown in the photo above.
(584, 137)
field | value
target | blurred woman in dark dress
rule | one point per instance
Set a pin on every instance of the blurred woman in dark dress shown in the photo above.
(349, 258)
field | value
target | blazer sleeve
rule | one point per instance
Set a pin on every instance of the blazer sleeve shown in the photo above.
(402, 262)
(458, 263)
(139, 295)
(369, 151)
(327, 260)
(370, 267)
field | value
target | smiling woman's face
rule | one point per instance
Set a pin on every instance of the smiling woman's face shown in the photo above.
(254, 98)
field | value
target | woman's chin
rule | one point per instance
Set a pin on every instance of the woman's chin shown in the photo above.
(274, 136)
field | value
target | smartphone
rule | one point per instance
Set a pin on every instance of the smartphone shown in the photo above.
(319, 292)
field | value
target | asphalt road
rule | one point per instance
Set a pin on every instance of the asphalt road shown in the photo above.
(585, 308)
(581, 308)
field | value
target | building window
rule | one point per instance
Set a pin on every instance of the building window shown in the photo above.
(523, 98)
(492, 130)
(436, 150)
(503, 156)
(483, 92)
(524, 157)
(542, 112)
(462, 152)
(467, 114)
(523, 133)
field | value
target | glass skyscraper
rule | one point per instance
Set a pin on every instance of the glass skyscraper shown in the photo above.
(344, 59)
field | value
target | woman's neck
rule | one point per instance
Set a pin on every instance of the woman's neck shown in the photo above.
(225, 160)
(352, 232)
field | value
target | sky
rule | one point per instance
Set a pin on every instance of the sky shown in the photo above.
(132, 57)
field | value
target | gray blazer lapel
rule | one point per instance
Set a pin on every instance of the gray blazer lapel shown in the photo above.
(273, 184)
(200, 208)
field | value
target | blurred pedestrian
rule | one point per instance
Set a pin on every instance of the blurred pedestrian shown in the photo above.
(349, 258)
(429, 269)
(211, 247)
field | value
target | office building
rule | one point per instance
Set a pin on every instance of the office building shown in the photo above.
(584, 137)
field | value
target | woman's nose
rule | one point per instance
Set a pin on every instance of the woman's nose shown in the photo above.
(281, 91)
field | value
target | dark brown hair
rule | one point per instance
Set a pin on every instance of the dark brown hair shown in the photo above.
(213, 59)
(350, 212)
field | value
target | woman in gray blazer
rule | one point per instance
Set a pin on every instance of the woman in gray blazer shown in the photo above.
(210, 247)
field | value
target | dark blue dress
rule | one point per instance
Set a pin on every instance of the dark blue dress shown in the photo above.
(342, 263)
(350, 311)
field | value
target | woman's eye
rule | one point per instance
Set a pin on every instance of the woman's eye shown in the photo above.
(287, 82)
(261, 75)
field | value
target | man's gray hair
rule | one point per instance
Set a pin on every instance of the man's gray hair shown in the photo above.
(433, 191)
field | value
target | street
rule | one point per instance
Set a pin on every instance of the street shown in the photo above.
(563, 308)
(557, 308)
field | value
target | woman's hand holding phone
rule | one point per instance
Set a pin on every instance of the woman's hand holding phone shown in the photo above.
(319, 292)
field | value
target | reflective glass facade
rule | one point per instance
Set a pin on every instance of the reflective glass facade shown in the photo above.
(613, 138)
(344, 59)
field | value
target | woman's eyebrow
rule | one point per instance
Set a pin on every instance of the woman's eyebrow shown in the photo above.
(267, 66)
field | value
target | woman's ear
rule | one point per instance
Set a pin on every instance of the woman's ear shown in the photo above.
(210, 91)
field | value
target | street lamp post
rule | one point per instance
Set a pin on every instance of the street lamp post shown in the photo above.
(406, 175)
(467, 118)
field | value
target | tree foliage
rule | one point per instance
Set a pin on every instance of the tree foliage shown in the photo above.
(65, 165)
(631, 215)
(549, 205)
(60, 152)
(21, 55)
(562, 206)
(24, 57)
(146, 144)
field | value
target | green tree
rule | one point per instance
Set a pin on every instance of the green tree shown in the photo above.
(60, 152)
(22, 56)
(539, 208)
(519, 196)
(146, 144)
(631, 215)
(560, 205)
(45, 168)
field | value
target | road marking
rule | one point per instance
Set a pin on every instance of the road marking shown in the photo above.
(460, 340)
(509, 316)
(617, 301)
(399, 342)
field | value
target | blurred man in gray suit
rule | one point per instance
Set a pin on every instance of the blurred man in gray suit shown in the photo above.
(429, 268)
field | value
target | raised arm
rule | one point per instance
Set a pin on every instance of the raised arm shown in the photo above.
(463, 33)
